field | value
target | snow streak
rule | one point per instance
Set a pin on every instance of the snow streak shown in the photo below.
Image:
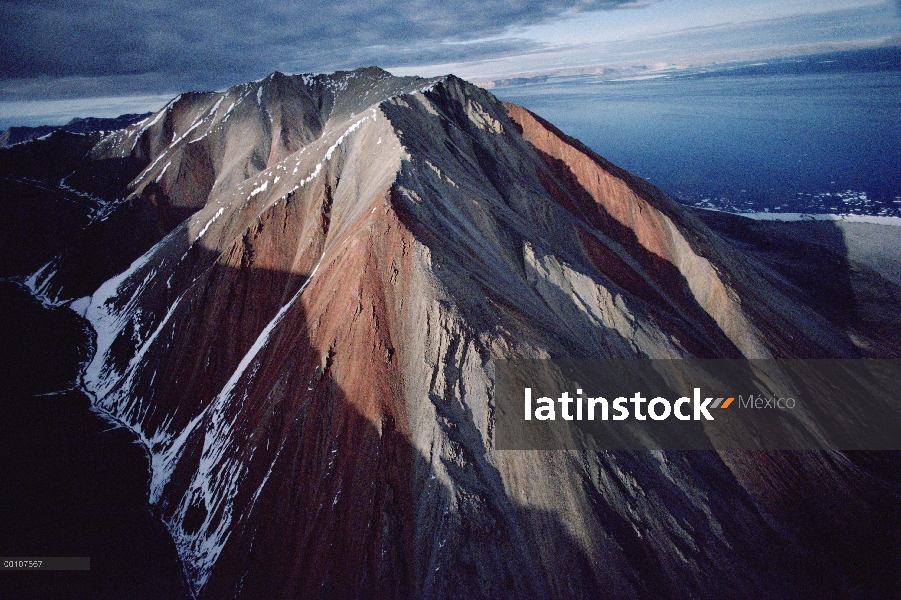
(217, 477)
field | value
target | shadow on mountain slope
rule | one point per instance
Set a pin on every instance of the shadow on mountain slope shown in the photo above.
(49, 190)
(338, 503)
(307, 468)
(73, 484)
(851, 288)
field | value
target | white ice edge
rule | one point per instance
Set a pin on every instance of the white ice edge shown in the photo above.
(872, 219)
(789, 217)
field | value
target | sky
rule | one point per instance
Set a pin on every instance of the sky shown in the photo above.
(65, 58)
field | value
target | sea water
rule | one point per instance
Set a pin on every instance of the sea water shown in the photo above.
(823, 142)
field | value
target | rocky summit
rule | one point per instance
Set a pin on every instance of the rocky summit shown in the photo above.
(299, 286)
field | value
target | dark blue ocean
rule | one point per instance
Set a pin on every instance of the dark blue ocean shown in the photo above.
(821, 142)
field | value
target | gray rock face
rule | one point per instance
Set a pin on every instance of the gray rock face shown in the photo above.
(305, 346)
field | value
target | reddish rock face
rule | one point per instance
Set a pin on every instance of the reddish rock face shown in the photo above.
(308, 356)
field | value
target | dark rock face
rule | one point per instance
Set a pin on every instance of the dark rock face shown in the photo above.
(298, 295)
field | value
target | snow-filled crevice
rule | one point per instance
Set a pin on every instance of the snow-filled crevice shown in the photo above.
(217, 477)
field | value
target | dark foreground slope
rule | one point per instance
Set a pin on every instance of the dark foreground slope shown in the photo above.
(74, 484)
(298, 298)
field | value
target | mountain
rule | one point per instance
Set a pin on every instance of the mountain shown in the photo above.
(299, 286)
(17, 135)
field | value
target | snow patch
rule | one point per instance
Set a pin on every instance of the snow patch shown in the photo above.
(38, 283)
(210, 222)
(155, 119)
(229, 112)
(81, 305)
(216, 106)
(108, 320)
(259, 190)
(163, 172)
(263, 338)
(217, 477)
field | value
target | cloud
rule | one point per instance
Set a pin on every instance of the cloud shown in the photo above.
(42, 112)
(697, 44)
(69, 48)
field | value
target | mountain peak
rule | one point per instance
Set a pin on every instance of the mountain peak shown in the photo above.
(299, 286)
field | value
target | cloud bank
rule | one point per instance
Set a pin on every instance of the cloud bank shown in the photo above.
(66, 49)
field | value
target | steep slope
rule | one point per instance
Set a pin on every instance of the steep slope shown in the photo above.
(308, 356)
(848, 272)
(144, 180)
